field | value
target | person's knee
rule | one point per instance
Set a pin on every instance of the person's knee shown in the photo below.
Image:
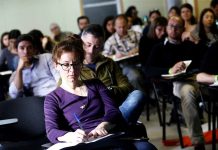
(188, 92)
(137, 97)
(142, 145)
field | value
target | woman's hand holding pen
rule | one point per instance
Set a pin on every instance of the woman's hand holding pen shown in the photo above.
(79, 136)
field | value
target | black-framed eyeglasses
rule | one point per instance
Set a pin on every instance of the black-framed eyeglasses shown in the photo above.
(67, 66)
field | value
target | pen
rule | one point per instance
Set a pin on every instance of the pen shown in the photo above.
(78, 121)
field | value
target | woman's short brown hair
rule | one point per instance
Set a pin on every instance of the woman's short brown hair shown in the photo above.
(70, 44)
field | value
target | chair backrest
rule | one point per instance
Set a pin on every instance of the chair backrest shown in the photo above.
(30, 114)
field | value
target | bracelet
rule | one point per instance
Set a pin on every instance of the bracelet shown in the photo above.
(216, 78)
(170, 71)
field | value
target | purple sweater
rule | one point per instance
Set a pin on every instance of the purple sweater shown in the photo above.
(61, 105)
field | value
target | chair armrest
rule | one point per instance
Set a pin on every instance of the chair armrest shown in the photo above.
(8, 121)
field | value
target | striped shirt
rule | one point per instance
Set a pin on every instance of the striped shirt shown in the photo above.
(123, 45)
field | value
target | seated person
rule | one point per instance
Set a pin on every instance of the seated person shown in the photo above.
(35, 75)
(209, 68)
(4, 40)
(88, 100)
(125, 42)
(83, 22)
(131, 101)
(57, 34)
(8, 54)
(155, 35)
(167, 57)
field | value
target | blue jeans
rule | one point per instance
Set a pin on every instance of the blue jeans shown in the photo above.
(134, 76)
(133, 106)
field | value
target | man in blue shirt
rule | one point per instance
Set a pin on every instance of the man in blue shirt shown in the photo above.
(35, 75)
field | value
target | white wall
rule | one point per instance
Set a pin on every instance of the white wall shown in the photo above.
(39, 14)
(28, 14)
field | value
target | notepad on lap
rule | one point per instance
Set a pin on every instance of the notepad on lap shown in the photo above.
(169, 76)
(214, 84)
(58, 146)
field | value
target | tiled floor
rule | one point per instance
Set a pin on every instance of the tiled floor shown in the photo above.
(155, 131)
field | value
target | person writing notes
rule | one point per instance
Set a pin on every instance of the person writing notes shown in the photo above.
(89, 100)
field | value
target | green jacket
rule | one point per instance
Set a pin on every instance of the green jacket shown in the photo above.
(111, 75)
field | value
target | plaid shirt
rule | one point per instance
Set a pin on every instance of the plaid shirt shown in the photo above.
(115, 44)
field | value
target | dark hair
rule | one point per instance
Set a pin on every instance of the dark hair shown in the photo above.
(2, 36)
(24, 37)
(129, 11)
(160, 21)
(82, 17)
(37, 35)
(94, 29)
(188, 6)
(104, 25)
(70, 44)
(213, 28)
(213, 3)
(176, 9)
(14, 34)
(154, 11)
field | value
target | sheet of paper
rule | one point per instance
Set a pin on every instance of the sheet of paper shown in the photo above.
(214, 84)
(91, 140)
(6, 72)
(8, 121)
(124, 57)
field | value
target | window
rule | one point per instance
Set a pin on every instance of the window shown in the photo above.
(97, 10)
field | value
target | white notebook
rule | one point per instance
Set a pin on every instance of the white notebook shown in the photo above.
(58, 146)
(169, 76)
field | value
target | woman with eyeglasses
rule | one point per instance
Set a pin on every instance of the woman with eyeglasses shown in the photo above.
(85, 107)
(78, 110)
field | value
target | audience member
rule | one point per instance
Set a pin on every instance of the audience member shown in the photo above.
(133, 13)
(89, 99)
(214, 6)
(83, 22)
(209, 67)
(189, 19)
(152, 16)
(7, 55)
(168, 57)
(130, 102)
(206, 33)
(35, 75)
(37, 36)
(122, 43)
(4, 40)
(108, 26)
(173, 11)
(156, 34)
(57, 34)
